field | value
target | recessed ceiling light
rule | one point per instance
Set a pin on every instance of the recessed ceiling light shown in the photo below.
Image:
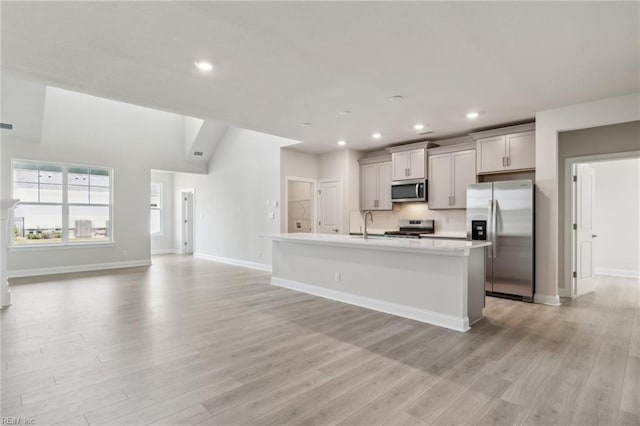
(345, 112)
(342, 143)
(306, 123)
(418, 126)
(396, 98)
(376, 135)
(204, 65)
(473, 114)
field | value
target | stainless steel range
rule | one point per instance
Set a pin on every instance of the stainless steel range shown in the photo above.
(412, 228)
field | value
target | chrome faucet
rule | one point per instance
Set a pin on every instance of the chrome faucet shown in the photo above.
(367, 213)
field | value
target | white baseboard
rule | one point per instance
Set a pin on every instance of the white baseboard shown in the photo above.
(628, 273)
(19, 273)
(546, 299)
(422, 315)
(236, 262)
(164, 251)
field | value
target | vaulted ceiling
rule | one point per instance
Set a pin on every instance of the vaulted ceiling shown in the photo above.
(280, 64)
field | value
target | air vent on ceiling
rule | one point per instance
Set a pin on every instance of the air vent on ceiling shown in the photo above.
(198, 153)
(6, 126)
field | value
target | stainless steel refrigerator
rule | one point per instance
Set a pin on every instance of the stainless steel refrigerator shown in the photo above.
(503, 213)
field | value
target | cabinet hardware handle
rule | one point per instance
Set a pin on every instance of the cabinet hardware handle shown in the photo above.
(503, 165)
(509, 161)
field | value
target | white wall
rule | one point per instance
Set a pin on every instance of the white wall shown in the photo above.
(164, 243)
(548, 123)
(616, 217)
(233, 201)
(86, 130)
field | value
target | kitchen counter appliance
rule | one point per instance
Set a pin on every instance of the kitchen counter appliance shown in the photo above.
(412, 228)
(406, 191)
(503, 214)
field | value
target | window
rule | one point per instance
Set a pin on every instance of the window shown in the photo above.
(156, 209)
(61, 204)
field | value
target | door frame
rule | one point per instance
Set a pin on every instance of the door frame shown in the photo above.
(314, 199)
(192, 191)
(570, 164)
(341, 209)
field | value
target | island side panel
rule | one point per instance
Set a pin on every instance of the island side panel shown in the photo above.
(475, 284)
(428, 287)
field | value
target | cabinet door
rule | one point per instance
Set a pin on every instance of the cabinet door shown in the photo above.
(400, 161)
(384, 186)
(521, 151)
(416, 164)
(439, 181)
(464, 174)
(491, 154)
(369, 186)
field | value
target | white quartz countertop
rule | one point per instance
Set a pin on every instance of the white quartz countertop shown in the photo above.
(426, 245)
(445, 234)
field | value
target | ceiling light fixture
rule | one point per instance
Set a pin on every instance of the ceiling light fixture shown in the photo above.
(376, 135)
(396, 98)
(345, 112)
(471, 115)
(306, 123)
(204, 65)
(418, 126)
(342, 142)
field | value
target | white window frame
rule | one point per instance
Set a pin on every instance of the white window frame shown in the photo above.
(65, 207)
(160, 208)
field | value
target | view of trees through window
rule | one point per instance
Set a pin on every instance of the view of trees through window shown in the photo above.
(61, 204)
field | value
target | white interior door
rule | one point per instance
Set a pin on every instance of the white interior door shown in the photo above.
(583, 229)
(187, 222)
(330, 207)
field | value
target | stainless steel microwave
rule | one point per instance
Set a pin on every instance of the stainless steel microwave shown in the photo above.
(406, 191)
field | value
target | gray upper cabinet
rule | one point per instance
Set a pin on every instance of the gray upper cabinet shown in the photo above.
(408, 161)
(507, 149)
(375, 186)
(449, 175)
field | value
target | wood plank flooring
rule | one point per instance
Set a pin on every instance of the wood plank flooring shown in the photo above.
(189, 341)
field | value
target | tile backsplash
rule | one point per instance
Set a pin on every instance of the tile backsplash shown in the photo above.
(445, 220)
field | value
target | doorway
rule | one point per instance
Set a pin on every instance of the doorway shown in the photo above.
(187, 219)
(330, 206)
(300, 205)
(604, 219)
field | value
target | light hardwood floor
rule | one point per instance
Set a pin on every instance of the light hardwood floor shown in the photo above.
(194, 342)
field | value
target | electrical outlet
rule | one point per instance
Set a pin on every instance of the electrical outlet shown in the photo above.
(337, 277)
(125, 253)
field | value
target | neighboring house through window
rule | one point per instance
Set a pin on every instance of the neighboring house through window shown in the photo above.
(61, 204)
(156, 209)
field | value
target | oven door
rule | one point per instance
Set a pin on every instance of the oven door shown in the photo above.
(409, 191)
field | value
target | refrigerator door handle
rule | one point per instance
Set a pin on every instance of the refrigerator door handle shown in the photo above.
(490, 226)
(494, 226)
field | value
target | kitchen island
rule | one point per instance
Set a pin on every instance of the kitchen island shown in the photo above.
(435, 281)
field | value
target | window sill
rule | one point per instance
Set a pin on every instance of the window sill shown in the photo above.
(59, 246)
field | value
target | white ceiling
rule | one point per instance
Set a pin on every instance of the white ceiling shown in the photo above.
(283, 63)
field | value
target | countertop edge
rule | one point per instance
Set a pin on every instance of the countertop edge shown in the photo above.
(359, 244)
